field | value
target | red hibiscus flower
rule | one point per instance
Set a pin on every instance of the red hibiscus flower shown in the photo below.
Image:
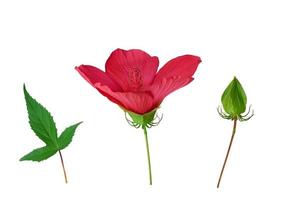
(131, 80)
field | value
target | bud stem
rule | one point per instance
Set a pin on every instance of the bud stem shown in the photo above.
(148, 155)
(229, 147)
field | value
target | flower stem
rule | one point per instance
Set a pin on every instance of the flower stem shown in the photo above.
(148, 155)
(229, 147)
(62, 164)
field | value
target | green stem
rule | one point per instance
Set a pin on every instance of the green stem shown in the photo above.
(62, 164)
(229, 147)
(148, 155)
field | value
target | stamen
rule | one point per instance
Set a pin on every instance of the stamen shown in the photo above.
(135, 78)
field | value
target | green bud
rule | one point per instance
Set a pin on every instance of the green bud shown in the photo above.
(234, 99)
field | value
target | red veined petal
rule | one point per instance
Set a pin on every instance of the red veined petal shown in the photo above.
(133, 70)
(94, 75)
(184, 66)
(140, 103)
(174, 75)
(166, 86)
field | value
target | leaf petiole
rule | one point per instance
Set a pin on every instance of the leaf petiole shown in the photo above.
(62, 164)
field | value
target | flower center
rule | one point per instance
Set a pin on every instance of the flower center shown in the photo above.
(135, 78)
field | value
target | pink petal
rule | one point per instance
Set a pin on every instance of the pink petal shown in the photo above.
(133, 70)
(162, 89)
(136, 102)
(94, 75)
(174, 75)
(184, 66)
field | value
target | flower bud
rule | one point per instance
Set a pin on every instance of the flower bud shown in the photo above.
(234, 99)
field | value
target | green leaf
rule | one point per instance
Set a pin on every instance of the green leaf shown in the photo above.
(66, 137)
(43, 125)
(40, 120)
(40, 154)
(234, 99)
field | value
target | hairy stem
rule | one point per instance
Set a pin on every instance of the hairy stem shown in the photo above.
(62, 164)
(228, 150)
(148, 155)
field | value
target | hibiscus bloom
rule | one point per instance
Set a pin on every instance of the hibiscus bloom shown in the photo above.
(131, 81)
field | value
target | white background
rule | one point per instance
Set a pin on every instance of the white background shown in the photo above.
(42, 41)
